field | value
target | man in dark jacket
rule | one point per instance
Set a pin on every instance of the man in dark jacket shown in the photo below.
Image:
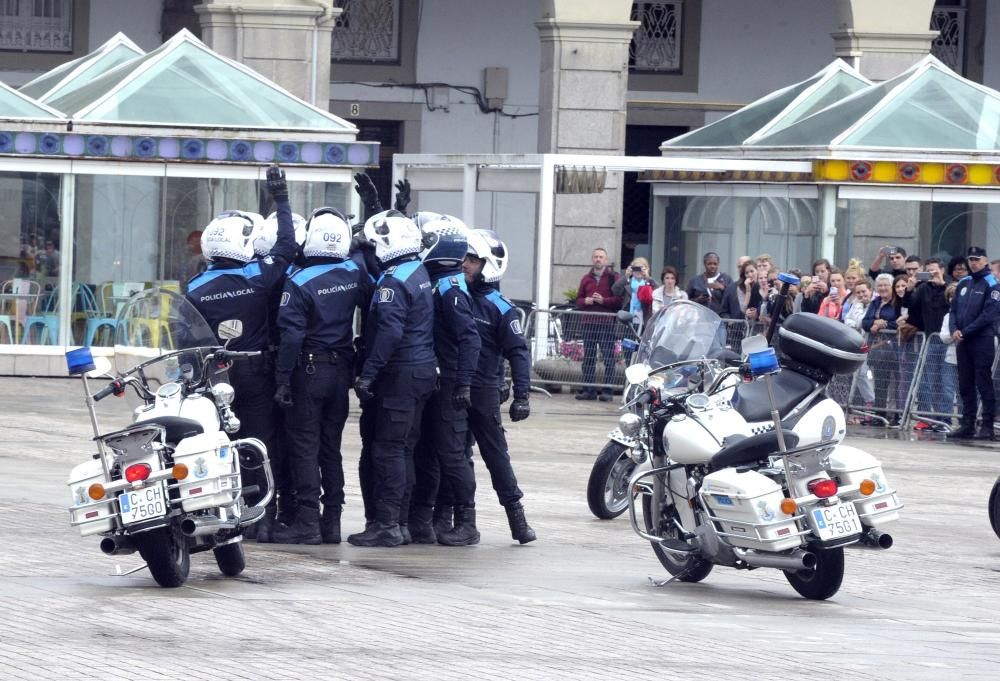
(927, 308)
(594, 295)
(707, 288)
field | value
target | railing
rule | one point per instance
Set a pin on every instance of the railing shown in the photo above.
(656, 44)
(38, 26)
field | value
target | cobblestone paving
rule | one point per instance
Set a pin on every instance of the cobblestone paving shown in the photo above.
(576, 604)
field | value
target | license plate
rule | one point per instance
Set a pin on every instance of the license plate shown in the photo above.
(835, 522)
(143, 504)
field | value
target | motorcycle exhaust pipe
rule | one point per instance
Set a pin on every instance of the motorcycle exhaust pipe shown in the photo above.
(199, 527)
(117, 546)
(873, 539)
(796, 560)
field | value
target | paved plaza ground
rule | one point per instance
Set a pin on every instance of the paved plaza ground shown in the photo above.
(576, 604)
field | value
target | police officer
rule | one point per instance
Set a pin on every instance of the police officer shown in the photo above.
(235, 288)
(315, 369)
(282, 508)
(399, 371)
(974, 311)
(500, 329)
(440, 453)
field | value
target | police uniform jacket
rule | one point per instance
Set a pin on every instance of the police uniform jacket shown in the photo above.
(976, 305)
(244, 292)
(456, 339)
(399, 330)
(316, 313)
(500, 329)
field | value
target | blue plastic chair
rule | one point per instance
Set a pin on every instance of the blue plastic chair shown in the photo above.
(97, 318)
(48, 320)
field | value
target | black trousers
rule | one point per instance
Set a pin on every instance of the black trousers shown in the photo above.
(486, 426)
(253, 381)
(975, 374)
(440, 455)
(393, 429)
(315, 425)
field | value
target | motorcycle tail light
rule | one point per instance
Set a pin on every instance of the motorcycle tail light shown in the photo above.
(137, 472)
(788, 506)
(823, 488)
(179, 471)
(867, 487)
(96, 491)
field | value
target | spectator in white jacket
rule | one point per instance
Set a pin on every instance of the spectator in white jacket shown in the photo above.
(862, 299)
(949, 374)
(668, 291)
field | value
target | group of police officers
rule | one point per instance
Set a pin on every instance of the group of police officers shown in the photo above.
(427, 367)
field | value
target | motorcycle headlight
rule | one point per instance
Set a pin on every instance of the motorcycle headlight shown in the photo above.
(630, 425)
(223, 394)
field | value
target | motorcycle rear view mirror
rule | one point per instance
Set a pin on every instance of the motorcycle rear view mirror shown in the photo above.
(230, 329)
(102, 367)
(637, 373)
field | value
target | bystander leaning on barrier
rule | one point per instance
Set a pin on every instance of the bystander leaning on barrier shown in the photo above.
(927, 308)
(949, 371)
(882, 358)
(599, 330)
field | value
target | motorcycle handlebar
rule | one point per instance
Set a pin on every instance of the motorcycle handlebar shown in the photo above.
(116, 387)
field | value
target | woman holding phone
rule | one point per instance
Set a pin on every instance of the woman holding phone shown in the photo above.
(636, 291)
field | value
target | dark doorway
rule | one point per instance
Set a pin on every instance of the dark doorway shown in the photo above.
(389, 135)
(640, 140)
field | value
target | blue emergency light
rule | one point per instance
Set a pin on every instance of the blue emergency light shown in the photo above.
(629, 345)
(789, 279)
(763, 362)
(80, 361)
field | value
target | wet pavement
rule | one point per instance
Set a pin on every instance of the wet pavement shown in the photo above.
(576, 604)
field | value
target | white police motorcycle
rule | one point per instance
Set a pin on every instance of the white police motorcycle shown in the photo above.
(739, 477)
(169, 484)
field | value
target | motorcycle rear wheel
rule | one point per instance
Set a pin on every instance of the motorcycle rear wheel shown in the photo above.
(167, 556)
(824, 580)
(688, 569)
(607, 488)
(994, 508)
(230, 559)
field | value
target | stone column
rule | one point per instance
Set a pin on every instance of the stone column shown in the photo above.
(883, 38)
(287, 41)
(584, 78)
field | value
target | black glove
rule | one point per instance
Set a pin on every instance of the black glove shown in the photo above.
(360, 243)
(283, 396)
(519, 408)
(368, 193)
(276, 185)
(363, 389)
(402, 196)
(504, 392)
(462, 397)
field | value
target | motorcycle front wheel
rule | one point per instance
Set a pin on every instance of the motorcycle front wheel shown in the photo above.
(167, 556)
(685, 569)
(230, 558)
(994, 508)
(824, 580)
(607, 489)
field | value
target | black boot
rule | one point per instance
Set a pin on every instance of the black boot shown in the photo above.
(965, 431)
(465, 532)
(378, 534)
(305, 529)
(404, 530)
(519, 528)
(288, 506)
(421, 527)
(443, 519)
(985, 431)
(265, 526)
(329, 525)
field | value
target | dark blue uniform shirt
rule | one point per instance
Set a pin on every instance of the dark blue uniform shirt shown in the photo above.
(976, 306)
(399, 330)
(456, 339)
(500, 329)
(244, 292)
(316, 314)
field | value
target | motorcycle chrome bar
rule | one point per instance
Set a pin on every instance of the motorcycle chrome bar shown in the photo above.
(254, 443)
(796, 560)
(634, 490)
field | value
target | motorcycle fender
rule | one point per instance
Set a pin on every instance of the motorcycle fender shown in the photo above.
(823, 422)
(617, 436)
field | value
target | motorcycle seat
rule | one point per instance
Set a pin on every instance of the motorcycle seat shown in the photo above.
(751, 449)
(753, 404)
(177, 428)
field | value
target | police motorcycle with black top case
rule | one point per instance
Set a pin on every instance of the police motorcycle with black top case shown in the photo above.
(727, 487)
(170, 483)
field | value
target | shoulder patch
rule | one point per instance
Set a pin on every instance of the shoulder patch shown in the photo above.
(995, 295)
(515, 326)
(403, 271)
(385, 295)
(285, 297)
(501, 303)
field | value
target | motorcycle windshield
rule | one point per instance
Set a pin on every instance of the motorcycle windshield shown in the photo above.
(158, 323)
(681, 331)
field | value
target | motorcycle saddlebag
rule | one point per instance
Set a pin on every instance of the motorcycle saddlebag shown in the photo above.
(822, 343)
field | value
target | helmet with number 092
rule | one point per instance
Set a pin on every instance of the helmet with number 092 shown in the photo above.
(230, 236)
(268, 234)
(327, 235)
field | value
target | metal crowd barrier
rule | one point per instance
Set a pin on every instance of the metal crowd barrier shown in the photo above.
(577, 348)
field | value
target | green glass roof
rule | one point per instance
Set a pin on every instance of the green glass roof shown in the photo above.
(13, 104)
(184, 83)
(72, 75)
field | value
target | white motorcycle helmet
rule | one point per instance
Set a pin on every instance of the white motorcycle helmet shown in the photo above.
(393, 234)
(230, 235)
(268, 234)
(327, 235)
(444, 240)
(486, 245)
(421, 218)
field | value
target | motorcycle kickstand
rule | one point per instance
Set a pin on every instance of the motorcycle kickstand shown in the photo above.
(119, 573)
(664, 582)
